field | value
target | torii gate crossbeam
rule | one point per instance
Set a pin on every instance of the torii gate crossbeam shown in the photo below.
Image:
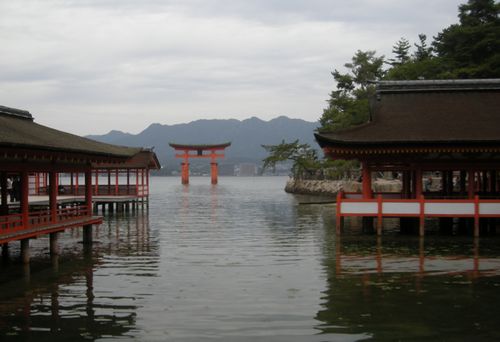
(196, 151)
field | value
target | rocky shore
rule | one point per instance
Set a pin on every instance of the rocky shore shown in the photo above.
(332, 187)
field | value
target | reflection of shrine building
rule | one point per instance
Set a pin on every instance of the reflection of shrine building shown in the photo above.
(64, 299)
(396, 290)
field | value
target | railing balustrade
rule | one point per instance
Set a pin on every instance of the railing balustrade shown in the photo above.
(39, 218)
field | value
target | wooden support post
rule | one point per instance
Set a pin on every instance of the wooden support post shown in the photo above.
(88, 191)
(339, 221)
(128, 181)
(379, 215)
(476, 216)
(109, 183)
(147, 182)
(463, 190)
(77, 183)
(142, 184)
(37, 183)
(96, 191)
(25, 198)
(185, 173)
(53, 196)
(367, 181)
(54, 248)
(406, 184)
(214, 172)
(4, 209)
(137, 182)
(421, 223)
(5, 251)
(87, 234)
(471, 184)
(25, 251)
(418, 183)
(116, 183)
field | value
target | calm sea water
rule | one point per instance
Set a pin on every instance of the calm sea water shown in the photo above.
(244, 261)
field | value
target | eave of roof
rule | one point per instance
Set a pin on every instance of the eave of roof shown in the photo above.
(18, 131)
(407, 113)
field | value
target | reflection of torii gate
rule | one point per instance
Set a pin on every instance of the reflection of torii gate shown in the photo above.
(199, 154)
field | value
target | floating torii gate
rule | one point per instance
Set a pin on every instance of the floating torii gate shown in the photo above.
(199, 149)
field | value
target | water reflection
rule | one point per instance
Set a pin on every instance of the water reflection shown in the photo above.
(71, 295)
(393, 288)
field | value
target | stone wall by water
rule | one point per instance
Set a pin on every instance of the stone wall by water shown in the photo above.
(332, 187)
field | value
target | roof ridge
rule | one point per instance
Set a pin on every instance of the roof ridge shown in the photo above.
(19, 113)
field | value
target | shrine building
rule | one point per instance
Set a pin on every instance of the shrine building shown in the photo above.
(28, 150)
(441, 138)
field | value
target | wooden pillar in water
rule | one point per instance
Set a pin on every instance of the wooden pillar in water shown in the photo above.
(54, 248)
(25, 251)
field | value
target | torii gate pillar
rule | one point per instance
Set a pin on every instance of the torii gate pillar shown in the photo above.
(198, 153)
(185, 173)
(214, 171)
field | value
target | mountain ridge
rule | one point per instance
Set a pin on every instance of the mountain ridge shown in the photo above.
(246, 136)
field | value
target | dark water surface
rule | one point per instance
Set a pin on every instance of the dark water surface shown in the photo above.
(244, 261)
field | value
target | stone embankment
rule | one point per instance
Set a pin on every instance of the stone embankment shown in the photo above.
(332, 187)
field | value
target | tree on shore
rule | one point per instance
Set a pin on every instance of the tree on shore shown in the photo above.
(348, 104)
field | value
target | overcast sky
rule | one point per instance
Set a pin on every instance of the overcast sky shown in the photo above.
(90, 66)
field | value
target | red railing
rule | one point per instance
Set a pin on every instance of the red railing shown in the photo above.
(381, 206)
(14, 222)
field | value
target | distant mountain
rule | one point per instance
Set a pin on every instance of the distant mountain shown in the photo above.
(246, 137)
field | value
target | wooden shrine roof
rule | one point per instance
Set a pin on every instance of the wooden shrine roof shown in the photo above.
(19, 131)
(199, 146)
(438, 113)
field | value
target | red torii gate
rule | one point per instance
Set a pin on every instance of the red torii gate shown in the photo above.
(199, 154)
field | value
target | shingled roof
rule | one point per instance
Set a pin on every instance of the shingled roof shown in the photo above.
(427, 112)
(18, 130)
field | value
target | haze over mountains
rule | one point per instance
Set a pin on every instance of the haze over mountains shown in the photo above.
(246, 137)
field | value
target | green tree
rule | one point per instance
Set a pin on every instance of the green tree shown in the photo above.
(349, 103)
(423, 51)
(305, 162)
(401, 51)
(471, 49)
(304, 158)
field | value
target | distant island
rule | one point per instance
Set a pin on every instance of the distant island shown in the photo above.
(245, 155)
